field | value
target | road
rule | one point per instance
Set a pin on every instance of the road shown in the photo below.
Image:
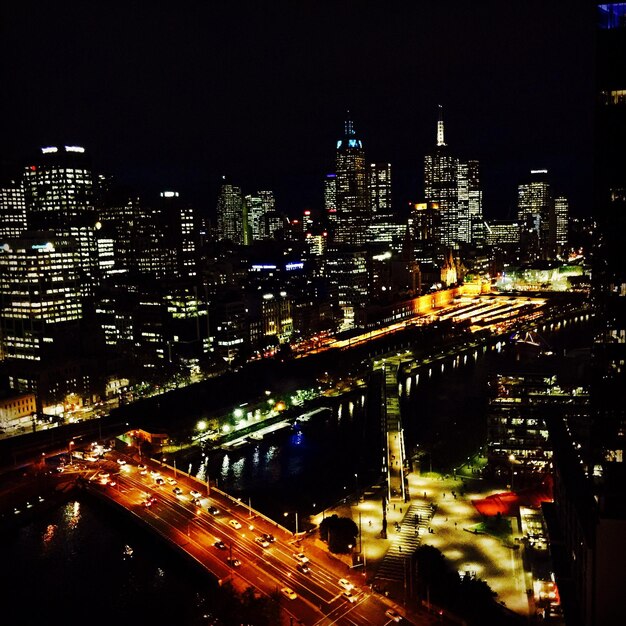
(319, 596)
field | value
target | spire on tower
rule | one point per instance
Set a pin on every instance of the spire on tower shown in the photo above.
(349, 125)
(440, 140)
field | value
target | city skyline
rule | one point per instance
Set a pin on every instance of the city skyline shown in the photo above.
(261, 94)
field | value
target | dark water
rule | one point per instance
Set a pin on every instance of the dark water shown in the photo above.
(73, 566)
(301, 470)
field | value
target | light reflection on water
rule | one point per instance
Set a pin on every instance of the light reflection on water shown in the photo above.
(295, 466)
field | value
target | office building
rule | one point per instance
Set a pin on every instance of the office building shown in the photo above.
(441, 187)
(561, 224)
(330, 199)
(40, 313)
(588, 533)
(454, 186)
(257, 205)
(353, 211)
(542, 220)
(379, 185)
(12, 210)
(230, 213)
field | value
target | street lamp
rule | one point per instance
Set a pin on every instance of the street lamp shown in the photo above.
(356, 480)
(296, 517)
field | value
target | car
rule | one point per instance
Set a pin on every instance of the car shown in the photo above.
(159, 481)
(213, 510)
(392, 615)
(154, 473)
(301, 557)
(172, 481)
(303, 567)
(235, 524)
(262, 542)
(147, 503)
(289, 593)
(143, 471)
(141, 466)
(268, 537)
(121, 461)
(196, 502)
(220, 545)
(349, 596)
(195, 494)
(233, 562)
(346, 584)
(177, 490)
(153, 498)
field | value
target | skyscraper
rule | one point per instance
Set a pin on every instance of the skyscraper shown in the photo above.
(561, 223)
(454, 186)
(379, 185)
(330, 198)
(589, 475)
(535, 206)
(470, 203)
(230, 213)
(12, 209)
(59, 189)
(257, 206)
(441, 187)
(40, 312)
(59, 192)
(353, 215)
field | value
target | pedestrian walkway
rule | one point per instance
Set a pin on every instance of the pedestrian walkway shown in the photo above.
(415, 523)
(445, 506)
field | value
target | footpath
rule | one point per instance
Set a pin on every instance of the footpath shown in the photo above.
(439, 513)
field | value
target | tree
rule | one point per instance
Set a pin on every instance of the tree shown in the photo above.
(339, 533)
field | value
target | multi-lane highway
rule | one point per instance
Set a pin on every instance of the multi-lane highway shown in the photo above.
(236, 543)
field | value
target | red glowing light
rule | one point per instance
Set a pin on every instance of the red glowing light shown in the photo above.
(33, 167)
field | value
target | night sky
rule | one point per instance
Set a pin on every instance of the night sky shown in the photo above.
(171, 95)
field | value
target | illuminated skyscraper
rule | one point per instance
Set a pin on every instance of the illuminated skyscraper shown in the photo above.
(230, 213)
(257, 206)
(561, 223)
(59, 189)
(535, 205)
(12, 210)
(441, 187)
(454, 186)
(470, 202)
(330, 198)
(379, 185)
(40, 311)
(353, 214)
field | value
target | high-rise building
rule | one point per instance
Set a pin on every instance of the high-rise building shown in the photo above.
(257, 206)
(330, 198)
(164, 239)
(425, 231)
(441, 187)
(12, 210)
(380, 191)
(589, 534)
(535, 206)
(353, 214)
(470, 203)
(230, 213)
(560, 226)
(40, 311)
(454, 186)
(59, 189)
